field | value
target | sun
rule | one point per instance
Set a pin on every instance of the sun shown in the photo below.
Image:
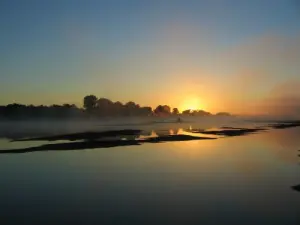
(192, 103)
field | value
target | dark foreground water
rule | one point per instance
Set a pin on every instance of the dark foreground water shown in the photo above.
(233, 180)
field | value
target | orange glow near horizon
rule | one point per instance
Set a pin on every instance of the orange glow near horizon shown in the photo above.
(192, 103)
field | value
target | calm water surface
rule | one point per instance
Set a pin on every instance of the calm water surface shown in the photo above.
(236, 180)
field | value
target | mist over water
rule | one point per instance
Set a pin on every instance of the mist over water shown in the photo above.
(32, 128)
(47, 127)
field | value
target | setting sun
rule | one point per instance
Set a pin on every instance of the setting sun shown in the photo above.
(192, 103)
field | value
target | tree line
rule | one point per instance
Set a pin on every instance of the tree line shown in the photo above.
(92, 107)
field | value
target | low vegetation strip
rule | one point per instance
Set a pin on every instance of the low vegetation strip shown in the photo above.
(81, 145)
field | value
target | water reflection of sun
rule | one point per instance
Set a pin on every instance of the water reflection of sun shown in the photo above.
(192, 148)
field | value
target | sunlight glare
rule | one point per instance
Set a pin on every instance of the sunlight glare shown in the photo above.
(191, 103)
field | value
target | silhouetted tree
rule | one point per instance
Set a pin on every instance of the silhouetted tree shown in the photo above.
(162, 110)
(196, 112)
(158, 109)
(186, 112)
(18, 111)
(69, 106)
(118, 105)
(118, 108)
(175, 111)
(105, 107)
(100, 107)
(201, 113)
(167, 109)
(223, 114)
(145, 111)
(131, 108)
(90, 102)
(131, 105)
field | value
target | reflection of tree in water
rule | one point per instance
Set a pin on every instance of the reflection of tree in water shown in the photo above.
(159, 133)
(147, 134)
(170, 131)
(129, 137)
(297, 187)
(162, 132)
(173, 131)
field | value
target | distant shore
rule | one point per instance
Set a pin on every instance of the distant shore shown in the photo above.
(94, 107)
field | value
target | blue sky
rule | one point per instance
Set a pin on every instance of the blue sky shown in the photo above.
(151, 52)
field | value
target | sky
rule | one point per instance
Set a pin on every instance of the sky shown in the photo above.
(217, 55)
